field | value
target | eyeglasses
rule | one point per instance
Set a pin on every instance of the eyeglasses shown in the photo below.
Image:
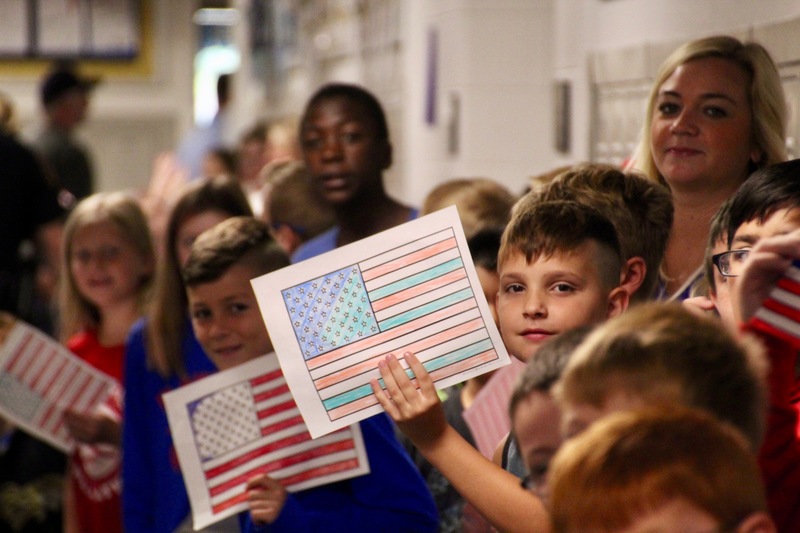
(730, 263)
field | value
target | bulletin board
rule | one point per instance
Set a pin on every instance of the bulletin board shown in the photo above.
(108, 37)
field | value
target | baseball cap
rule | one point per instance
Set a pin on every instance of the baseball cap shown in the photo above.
(61, 81)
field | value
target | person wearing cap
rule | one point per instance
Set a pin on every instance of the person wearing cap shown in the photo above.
(65, 98)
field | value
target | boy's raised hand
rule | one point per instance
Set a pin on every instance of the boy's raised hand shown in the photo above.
(767, 262)
(266, 497)
(417, 412)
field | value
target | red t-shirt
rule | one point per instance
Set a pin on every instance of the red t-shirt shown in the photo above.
(96, 474)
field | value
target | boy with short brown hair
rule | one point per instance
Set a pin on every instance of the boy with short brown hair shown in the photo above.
(560, 267)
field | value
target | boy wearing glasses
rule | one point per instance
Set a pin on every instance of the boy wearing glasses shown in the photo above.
(767, 204)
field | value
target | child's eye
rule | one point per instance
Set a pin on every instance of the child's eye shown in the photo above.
(238, 308)
(201, 314)
(351, 136)
(514, 287)
(312, 143)
(563, 288)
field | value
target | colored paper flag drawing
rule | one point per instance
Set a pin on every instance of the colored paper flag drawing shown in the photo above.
(234, 424)
(779, 314)
(409, 289)
(40, 379)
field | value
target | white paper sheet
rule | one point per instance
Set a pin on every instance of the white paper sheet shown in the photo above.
(233, 424)
(411, 288)
(40, 379)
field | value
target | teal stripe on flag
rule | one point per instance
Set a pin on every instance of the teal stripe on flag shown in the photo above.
(430, 307)
(416, 279)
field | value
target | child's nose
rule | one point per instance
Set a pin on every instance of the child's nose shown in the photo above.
(535, 305)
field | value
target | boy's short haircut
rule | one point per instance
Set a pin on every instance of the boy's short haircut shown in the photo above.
(662, 353)
(717, 233)
(545, 229)
(481, 202)
(483, 247)
(767, 190)
(233, 241)
(640, 209)
(293, 200)
(634, 462)
(545, 368)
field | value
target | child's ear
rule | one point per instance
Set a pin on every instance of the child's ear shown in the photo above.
(757, 523)
(633, 274)
(618, 300)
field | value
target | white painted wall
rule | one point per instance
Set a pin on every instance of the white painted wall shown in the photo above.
(499, 56)
(496, 58)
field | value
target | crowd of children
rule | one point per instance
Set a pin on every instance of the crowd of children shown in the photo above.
(631, 414)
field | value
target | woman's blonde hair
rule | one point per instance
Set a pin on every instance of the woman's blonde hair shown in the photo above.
(122, 210)
(167, 320)
(767, 100)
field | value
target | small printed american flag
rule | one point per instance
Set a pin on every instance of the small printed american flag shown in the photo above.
(40, 379)
(779, 315)
(416, 297)
(243, 422)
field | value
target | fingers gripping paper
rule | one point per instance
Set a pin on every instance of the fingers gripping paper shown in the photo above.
(412, 288)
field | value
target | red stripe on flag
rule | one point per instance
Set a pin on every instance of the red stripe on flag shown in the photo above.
(15, 359)
(216, 509)
(55, 374)
(782, 309)
(263, 450)
(269, 376)
(65, 382)
(774, 331)
(789, 285)
(283, 424)
(25, 363)
(280, 464)
(42, 371)
(277, 408)
(324, 470)
(271, 393)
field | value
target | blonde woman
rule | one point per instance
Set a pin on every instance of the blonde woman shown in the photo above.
(716, 113)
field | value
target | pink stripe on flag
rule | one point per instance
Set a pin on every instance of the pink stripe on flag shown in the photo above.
(782, 309)
(415, 347)
(408, 259)
(422, 288)
(789, 285)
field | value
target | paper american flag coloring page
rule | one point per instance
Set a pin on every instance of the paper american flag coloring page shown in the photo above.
(412, 288)
(235, 424)
(40, 379)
